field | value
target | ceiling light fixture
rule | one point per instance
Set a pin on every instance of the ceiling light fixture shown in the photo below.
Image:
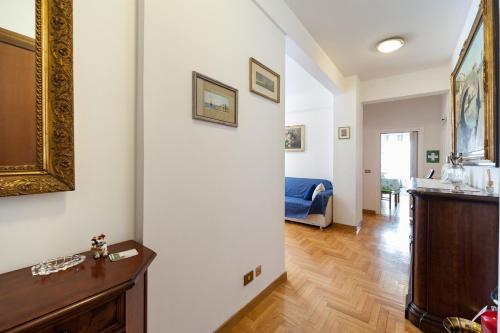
(390, 45)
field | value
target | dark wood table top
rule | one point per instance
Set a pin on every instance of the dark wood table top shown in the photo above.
(24, 297)
(465, 195)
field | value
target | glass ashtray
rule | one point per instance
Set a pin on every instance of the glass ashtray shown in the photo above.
(57, 264)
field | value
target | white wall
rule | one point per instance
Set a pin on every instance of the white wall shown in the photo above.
(317, 159)
(421, 114)
(347, 156)
(310, 104)
(37, 227)
(213, 195)
(426, 82)
(18, 16)
(446, 119)
(469, 21)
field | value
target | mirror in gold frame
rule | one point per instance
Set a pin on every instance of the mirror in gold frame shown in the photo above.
(36, 97)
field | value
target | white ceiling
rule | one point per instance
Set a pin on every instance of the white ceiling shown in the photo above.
(348, 31)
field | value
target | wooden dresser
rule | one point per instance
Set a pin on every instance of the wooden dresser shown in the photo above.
(95, 296)
(454, 253)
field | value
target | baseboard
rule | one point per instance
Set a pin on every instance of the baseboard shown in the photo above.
(369, 212)
(354, 228)
(228, 324)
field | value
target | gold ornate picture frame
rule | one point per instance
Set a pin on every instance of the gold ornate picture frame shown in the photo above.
(474, 91)
(54, 170)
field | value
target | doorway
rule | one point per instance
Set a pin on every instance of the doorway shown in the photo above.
(398, 164)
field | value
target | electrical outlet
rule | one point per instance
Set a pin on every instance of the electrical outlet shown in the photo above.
(247, 278)
(258, 270)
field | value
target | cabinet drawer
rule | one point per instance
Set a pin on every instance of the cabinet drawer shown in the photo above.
(103, 318)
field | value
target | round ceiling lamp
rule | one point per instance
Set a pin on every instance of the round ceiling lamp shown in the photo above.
(390, 45)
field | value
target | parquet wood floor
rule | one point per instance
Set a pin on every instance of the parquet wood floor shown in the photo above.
(339, 282)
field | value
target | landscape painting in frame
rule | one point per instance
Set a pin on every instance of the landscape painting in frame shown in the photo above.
(473, 91)
(214, 101)
(294, 138)
(264, 81)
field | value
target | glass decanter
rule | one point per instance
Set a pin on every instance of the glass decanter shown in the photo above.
(456, 173)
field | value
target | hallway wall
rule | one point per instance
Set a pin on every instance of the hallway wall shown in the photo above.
(348, 156)
(418, 114)
(213, 194)
(316, 161)
(310, 104)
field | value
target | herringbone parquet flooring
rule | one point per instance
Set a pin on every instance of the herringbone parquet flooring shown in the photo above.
(339, 282)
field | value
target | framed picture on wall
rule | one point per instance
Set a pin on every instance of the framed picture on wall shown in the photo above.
(344, 133)
(474, 91)
(294, 138)
(214, 101)
(264, 81)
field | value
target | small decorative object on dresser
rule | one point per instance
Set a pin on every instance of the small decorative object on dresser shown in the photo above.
(456, 173)
(264, 81)
(95, 296)
(344, 133)
(99, 246)
(489, 182)
(56, 265)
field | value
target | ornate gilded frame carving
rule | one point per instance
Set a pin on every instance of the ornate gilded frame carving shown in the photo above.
(485, 15)
(55, 170)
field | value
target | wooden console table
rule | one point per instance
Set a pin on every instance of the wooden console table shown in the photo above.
(95, 296)
(454, 255)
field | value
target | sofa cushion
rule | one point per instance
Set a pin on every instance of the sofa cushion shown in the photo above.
(310, 192)
(320, 188)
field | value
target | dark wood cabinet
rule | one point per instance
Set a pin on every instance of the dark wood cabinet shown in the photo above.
(454, 256)
(95, 296)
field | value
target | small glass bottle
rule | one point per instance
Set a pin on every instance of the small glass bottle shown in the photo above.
(489, 185)
(445, 178)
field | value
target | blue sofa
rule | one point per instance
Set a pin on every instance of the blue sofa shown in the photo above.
(298, 204)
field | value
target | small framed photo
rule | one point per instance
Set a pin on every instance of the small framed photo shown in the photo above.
(344, 133)
(264, 81)
(214, 101)
(294, 138)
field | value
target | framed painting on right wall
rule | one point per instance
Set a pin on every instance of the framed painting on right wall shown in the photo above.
(474, 91)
